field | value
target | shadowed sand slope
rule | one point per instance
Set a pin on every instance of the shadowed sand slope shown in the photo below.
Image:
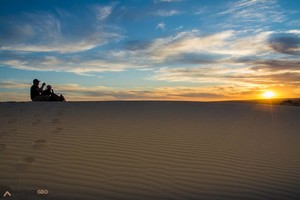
(151, 150)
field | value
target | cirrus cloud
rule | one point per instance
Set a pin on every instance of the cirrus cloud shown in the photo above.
(47, 32)
(166, 13)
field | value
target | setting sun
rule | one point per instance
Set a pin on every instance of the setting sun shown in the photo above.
(268, 94)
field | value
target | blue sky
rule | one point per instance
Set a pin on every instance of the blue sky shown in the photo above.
(155, 50)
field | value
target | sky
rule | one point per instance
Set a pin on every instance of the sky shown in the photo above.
(191, 50)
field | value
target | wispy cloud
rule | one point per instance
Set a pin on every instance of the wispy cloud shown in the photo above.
(276, 66)
(166, 13)
(211, 74)
(247, 74)
(253, 13)
(183, 48)
(186, 42)
(47, 32)
(228, 44)
(73, 64)
(166, 1)
(13, 84)
(77, 46)
(201, 11)
(161, 26)
(102, 12)
(13, 96)
(178, 28)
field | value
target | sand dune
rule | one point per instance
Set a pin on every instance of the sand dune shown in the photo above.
(150, 150)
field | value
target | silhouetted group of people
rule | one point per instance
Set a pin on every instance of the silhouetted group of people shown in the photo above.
(39, 94)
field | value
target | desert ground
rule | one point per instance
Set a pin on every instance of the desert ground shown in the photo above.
(150, 150)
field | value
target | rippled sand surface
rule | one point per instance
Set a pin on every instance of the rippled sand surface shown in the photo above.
(151, 150)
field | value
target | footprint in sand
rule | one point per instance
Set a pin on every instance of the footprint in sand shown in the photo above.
(36, 122)
(57, 130)
(25, 163)
(39, 144)
(55, 121)
(2, 147)
(60, 113)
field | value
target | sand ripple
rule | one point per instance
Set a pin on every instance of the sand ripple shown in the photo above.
(154, 150)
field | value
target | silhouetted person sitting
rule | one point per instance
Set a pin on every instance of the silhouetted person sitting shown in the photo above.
(36, 91)
(48, 91)
(52, 96)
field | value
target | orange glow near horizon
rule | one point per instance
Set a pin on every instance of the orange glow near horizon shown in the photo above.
(269, 94)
